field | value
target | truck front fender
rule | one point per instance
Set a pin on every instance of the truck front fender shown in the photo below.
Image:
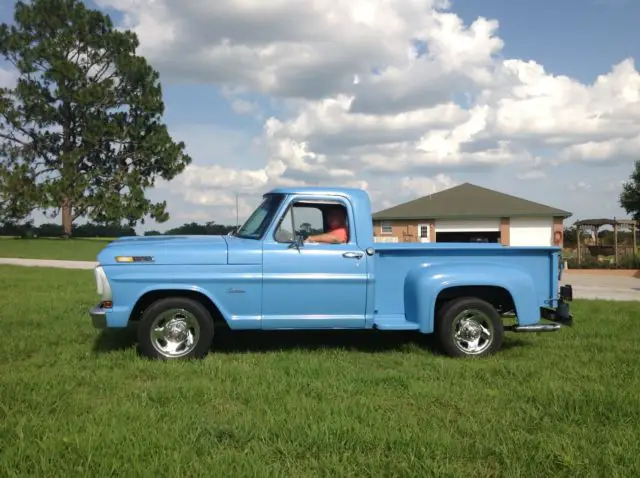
(423, 285)
(146, 296)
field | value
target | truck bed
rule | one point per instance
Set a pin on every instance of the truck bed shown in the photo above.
(394, 263)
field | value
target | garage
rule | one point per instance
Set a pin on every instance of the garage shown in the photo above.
(471, 213)
(470, 230)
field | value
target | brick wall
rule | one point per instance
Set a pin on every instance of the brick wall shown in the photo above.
(557, 238)
(505, 224)
(405, 231)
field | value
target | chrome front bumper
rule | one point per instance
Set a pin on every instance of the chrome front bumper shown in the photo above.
(98, 317)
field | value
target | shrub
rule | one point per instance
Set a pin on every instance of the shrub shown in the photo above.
(589, 262)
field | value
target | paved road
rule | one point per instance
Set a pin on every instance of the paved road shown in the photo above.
(585, 286)
(48, 263)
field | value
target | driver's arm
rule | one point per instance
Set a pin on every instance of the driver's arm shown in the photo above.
(327, 237)
(339, 236)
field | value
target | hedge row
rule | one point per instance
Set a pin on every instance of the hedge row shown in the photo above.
(588, 262)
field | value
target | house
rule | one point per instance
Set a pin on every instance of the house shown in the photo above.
(470, 213)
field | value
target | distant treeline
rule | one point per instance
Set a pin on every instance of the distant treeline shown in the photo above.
(606, 237)
(193, 228)
(96, 230)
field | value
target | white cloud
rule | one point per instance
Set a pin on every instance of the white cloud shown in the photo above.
(385, 194)
(398, 96)
(244, 107)
(581, 185)
(287, 47)
(8, 77)
(601, 151)
(614, 186)
(423, 186)
(556, 110)
(217, 177)
(531, 175)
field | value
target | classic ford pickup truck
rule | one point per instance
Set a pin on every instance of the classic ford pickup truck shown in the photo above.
(179, 290)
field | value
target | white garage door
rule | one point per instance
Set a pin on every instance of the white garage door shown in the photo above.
(531, 231)
(469, 225)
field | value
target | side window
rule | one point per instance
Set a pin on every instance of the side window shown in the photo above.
(284, 233)
(307, 219)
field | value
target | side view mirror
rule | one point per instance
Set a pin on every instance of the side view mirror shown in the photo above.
(298, 241)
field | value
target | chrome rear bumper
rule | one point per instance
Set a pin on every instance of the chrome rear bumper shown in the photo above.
(98, 317)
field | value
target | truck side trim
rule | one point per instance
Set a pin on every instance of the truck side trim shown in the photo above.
(219, 314)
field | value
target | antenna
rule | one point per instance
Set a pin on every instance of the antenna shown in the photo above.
(237, 211)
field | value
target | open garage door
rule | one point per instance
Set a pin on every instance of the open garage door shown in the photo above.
(471, 230)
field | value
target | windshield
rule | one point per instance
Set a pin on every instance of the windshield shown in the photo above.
(260, 219)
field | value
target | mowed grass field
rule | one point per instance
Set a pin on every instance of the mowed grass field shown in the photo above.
(85, 249)
(76, 402)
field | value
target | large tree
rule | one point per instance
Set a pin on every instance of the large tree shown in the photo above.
(81, 133)
(630, 195)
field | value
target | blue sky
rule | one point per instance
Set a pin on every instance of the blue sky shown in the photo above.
(580, 39)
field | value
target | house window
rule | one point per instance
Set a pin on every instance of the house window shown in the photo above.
(386, 227)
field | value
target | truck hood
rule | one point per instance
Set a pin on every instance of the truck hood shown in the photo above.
(168, 250)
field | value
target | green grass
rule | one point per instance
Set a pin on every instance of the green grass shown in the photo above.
(77, 402)
(50, 248)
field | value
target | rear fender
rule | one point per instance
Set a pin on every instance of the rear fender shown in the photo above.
(423, 284)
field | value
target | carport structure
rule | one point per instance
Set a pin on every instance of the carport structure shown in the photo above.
(598, 249)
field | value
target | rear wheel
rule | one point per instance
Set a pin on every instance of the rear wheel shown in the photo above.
(469, 327)
(175, 328)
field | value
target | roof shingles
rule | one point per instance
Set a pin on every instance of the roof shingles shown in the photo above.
(468, 201)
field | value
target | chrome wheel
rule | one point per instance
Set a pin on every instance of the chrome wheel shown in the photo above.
(175, 333)
(472, 331)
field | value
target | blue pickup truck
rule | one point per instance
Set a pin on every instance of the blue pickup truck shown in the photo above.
(179, 290)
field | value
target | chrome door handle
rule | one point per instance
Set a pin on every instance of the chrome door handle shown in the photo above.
(352, 255)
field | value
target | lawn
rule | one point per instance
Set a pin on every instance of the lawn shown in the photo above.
(51, 248)
(77, 402)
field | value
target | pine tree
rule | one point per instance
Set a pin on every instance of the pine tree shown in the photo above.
(81, 133)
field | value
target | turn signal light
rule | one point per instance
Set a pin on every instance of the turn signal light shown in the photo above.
(134, 259)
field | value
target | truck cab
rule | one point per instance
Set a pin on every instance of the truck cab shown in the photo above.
(271, 274)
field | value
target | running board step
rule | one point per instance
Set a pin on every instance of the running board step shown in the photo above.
(394, 322)
(535, 328)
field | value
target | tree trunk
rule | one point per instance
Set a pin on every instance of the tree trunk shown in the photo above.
(67, 220)
(67, 169)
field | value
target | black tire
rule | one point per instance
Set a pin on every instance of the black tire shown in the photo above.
(486, 315)
(189, 315)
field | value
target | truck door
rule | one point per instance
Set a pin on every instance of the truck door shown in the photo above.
(319, 286)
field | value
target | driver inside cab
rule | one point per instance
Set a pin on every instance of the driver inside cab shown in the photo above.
(337, 225)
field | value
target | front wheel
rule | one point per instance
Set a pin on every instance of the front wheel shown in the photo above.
(175, 328)
(469, 327)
